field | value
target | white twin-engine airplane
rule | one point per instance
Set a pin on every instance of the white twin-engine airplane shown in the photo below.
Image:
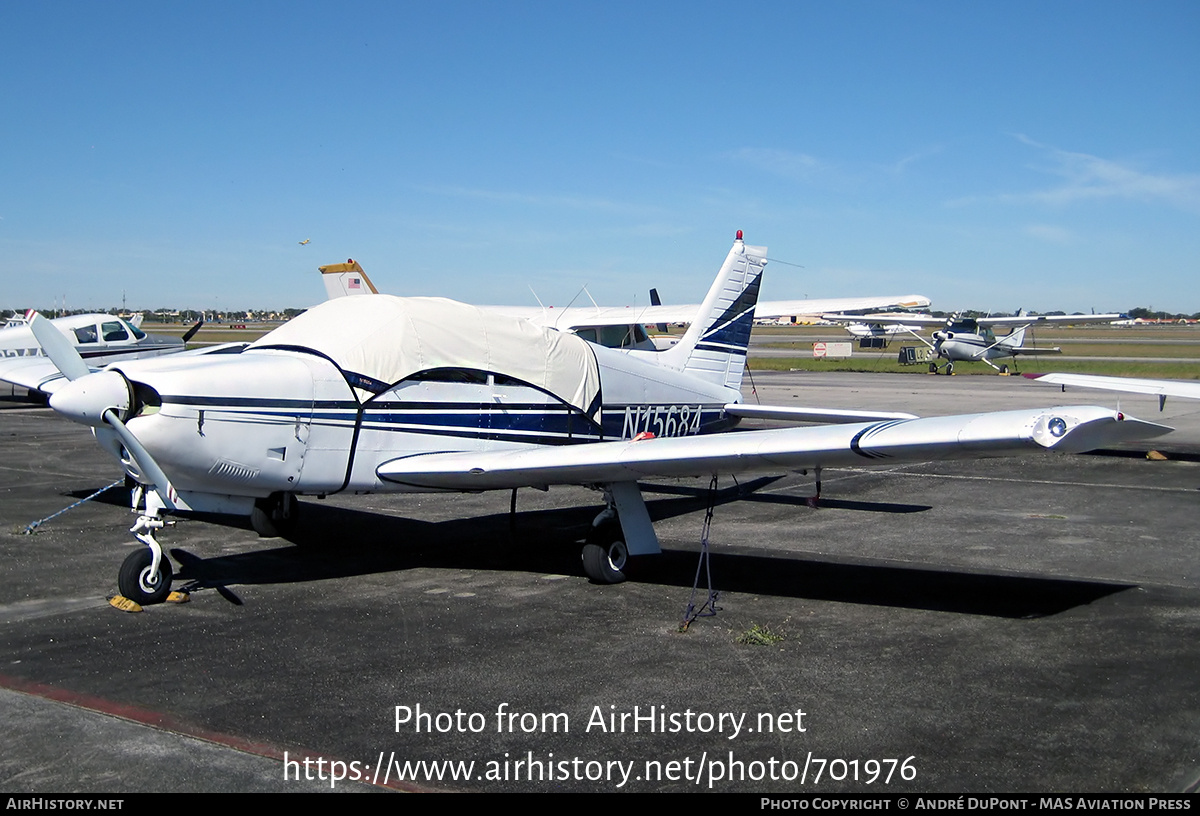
(391, 394)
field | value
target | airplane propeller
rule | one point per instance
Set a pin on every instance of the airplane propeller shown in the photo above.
(190, 333)
(57, 347)
(103, 399)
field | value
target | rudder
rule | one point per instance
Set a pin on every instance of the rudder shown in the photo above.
(714, 346)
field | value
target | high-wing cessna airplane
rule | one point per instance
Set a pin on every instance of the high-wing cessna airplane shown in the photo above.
(390, 394)
(622, 327)
(98, 338)
(972, 339)
(886, 325)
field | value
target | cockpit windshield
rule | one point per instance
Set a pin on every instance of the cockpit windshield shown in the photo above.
(114, 331)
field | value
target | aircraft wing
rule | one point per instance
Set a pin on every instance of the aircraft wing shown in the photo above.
(1130, 385)
(1022, 351)
(350, 279)
(33, 373)
(796, 413)
(40, 374)
(1033, 320)
(623, 316)
(902, 318)
(930, 320)
(782, 308)
(1072, 429)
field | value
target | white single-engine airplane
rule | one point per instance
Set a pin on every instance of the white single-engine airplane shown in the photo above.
(99, 339)
(886, 325)
(624, 327)
(972, 339)
(390, 394)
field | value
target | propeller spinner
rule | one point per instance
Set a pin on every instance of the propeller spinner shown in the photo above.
(102, 399)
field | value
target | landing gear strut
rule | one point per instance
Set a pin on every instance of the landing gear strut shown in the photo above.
(275, 515)
(145, 576)
(621, 532)
(1003, 369)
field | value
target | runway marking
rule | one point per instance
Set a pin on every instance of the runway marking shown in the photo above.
(165, 722)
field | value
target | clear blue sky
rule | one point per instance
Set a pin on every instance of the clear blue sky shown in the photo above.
(988, 154)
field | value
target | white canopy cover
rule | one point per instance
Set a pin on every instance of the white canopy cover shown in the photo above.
(390, 338)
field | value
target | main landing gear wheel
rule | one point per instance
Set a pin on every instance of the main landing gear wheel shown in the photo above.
(275, 515)
(137, 583)
(933, 368)
(605, 555)
(1003, 369)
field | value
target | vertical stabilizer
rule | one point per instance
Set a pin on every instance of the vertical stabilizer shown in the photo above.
(1014, 339)
(714, 346)
(345, 279)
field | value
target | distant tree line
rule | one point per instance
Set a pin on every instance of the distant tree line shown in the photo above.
(1146, 313)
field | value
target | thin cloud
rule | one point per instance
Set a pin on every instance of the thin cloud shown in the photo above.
(1050, 233)
(535, 199)
(899, 167)
(1091, 178)
(785, 163)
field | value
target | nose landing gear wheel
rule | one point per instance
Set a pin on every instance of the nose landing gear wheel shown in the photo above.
(137, 583)
(605, 555)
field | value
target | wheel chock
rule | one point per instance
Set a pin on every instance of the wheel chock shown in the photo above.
(177, 597)
(124, 604)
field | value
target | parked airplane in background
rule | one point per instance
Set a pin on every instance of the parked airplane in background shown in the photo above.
(624, 327)
(99, 339)
(886, 325)
(390, 394)
(972, 339)
(102, 339)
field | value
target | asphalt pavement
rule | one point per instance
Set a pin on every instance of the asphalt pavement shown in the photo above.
(1024, 624)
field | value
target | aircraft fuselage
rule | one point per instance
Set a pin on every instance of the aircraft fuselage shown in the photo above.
(264, 421)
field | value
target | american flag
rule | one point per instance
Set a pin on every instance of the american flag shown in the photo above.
(355, 283)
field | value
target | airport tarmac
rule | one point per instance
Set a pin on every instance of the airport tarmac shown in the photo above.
(1023, 624)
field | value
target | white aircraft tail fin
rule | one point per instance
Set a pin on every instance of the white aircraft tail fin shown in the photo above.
(714, 346)
(345, 279)
(1014, 339)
